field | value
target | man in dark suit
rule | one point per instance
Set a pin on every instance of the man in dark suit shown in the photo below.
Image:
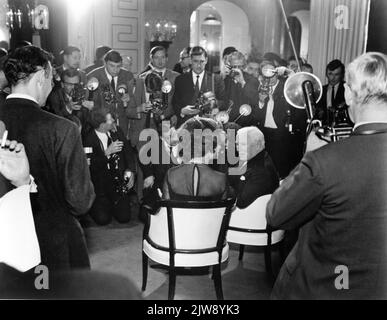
(68, 101)
(342, 248)
(154, 171)
(114, 90)
(241, 88)
(258, 175)
(190, 86)
(284, 127)
(57, 161)
(140, 109)
(333, 94)
(112, 161)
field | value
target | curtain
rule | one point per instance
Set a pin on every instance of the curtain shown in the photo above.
(338, 31)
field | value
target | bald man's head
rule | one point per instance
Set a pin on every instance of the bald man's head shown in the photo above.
(250, 142)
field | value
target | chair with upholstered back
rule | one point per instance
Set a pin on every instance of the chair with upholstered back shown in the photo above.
(188, 234)
(249, 227)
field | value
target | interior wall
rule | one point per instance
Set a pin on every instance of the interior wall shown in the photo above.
(377, 36)
(264, 16)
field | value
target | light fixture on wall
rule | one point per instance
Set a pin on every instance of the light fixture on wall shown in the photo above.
(160, 30)
(211, 20)
(38, 18)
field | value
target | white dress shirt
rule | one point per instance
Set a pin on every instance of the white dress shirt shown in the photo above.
(269, 120)
(195, 77)
(103, 137)
(109, 76)
(22, 96)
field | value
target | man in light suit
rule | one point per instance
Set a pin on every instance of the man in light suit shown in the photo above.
(189, 86)
(342, 211)
(114, 91)
(139, 108)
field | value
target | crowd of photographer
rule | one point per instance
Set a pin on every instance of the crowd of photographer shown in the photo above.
(249, 93)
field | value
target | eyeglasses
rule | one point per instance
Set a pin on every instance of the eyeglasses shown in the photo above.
(199, 61)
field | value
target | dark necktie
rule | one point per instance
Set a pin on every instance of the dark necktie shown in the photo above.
(109, 141)
(333, 96)
(112, 83)
(197, 90)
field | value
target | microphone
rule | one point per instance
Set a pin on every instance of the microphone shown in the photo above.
(122, 90)
(308, 90)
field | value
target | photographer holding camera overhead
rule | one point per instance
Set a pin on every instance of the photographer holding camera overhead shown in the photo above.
(241, 87)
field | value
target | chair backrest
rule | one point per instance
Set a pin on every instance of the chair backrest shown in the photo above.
(190, 227)
(253, 217)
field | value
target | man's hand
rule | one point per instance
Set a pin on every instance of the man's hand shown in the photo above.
(125, 99)
(75, 106)
(115, 147)
(88, 104)
(14, 164)
(149, 182)
(145, 107)
(129, 175)
(239, 78)
(314, 142)
(190, 111)
(282, 71)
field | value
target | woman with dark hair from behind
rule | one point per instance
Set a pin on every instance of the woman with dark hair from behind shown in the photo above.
(195, 180)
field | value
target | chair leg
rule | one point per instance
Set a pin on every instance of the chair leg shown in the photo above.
(217, 275)
(144, 270)
(268, 265)
(172, 284)
(241, 251)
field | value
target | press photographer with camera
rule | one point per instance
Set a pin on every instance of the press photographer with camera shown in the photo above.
(241, 88)
(69, 99)
(112, 168)
(113, 91)
(153, 91)
(192, 86)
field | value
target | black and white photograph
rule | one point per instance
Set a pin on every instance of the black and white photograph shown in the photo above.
(193, 156)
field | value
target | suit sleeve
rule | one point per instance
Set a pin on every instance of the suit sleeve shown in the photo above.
(177, 102)
(72, 165)
(250, 90)
(257, 186)
(220, 93)
(299, 197)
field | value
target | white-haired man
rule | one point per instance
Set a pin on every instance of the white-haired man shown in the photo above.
(342, 210)
(258, 175)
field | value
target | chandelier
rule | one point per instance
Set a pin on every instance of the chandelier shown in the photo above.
(160, 30)
(37, 18)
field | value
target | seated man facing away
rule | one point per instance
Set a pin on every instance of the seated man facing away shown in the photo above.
(195, 180)
(112, 168)
(258, 176)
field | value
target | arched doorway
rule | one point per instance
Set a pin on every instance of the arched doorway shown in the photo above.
(219, 24)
